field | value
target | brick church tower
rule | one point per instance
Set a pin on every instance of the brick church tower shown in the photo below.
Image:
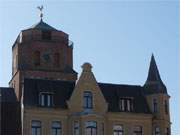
(41, 52)
(46, 98)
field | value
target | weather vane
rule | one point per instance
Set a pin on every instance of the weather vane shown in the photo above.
(40, 9)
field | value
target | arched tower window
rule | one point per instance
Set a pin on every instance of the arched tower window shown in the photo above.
(167, 131)
(36, 58)
(46, 35)
(56, 59)
(166, 107)
(155, 105)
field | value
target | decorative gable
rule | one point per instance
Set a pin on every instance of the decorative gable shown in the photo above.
(87, 95)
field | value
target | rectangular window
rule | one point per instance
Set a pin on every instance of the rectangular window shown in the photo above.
(56, 59)
(137, 130)
(88, 100)
(126, 104)
(56, 128)
(46, 99)
(167, 131)
(15, 61)
(36, 58)
(122, 108)
(91, 128)
(117, 130)
(155, 106)
(42, 99)
(102, 128)
(166, 107)
(35, 127)
(157, 131)
(76, 128)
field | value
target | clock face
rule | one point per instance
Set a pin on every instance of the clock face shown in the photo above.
(47, 57)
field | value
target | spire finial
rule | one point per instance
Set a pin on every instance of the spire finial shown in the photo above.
(40, 9)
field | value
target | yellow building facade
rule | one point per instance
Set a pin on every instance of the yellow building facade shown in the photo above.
(55, 102)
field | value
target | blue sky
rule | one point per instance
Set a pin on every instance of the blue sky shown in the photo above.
(117, 38)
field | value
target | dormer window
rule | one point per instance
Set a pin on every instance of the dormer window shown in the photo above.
(46, 35)
(126, 104)
(88, 100)
(46, 99)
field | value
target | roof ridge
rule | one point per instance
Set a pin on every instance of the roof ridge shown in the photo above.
(119, 84)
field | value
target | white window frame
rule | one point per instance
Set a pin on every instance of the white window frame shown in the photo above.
(37, 126)
(157, 130)
(43, 102)
(56, 128)
(118, 129)
(76, 126)
(122, 107)
(126, 104)
(138, 132)
(87, 100)
(92, 125)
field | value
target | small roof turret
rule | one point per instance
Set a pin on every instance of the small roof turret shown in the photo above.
(154, 84)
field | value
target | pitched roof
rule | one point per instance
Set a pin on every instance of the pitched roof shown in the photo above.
(7, 95)
(42, 25)
(153, 74)
(61, 89)
(154, 84)
(10, 112)
(113, 92)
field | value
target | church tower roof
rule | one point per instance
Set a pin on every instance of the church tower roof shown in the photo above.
(154, 82)
(42, 25)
